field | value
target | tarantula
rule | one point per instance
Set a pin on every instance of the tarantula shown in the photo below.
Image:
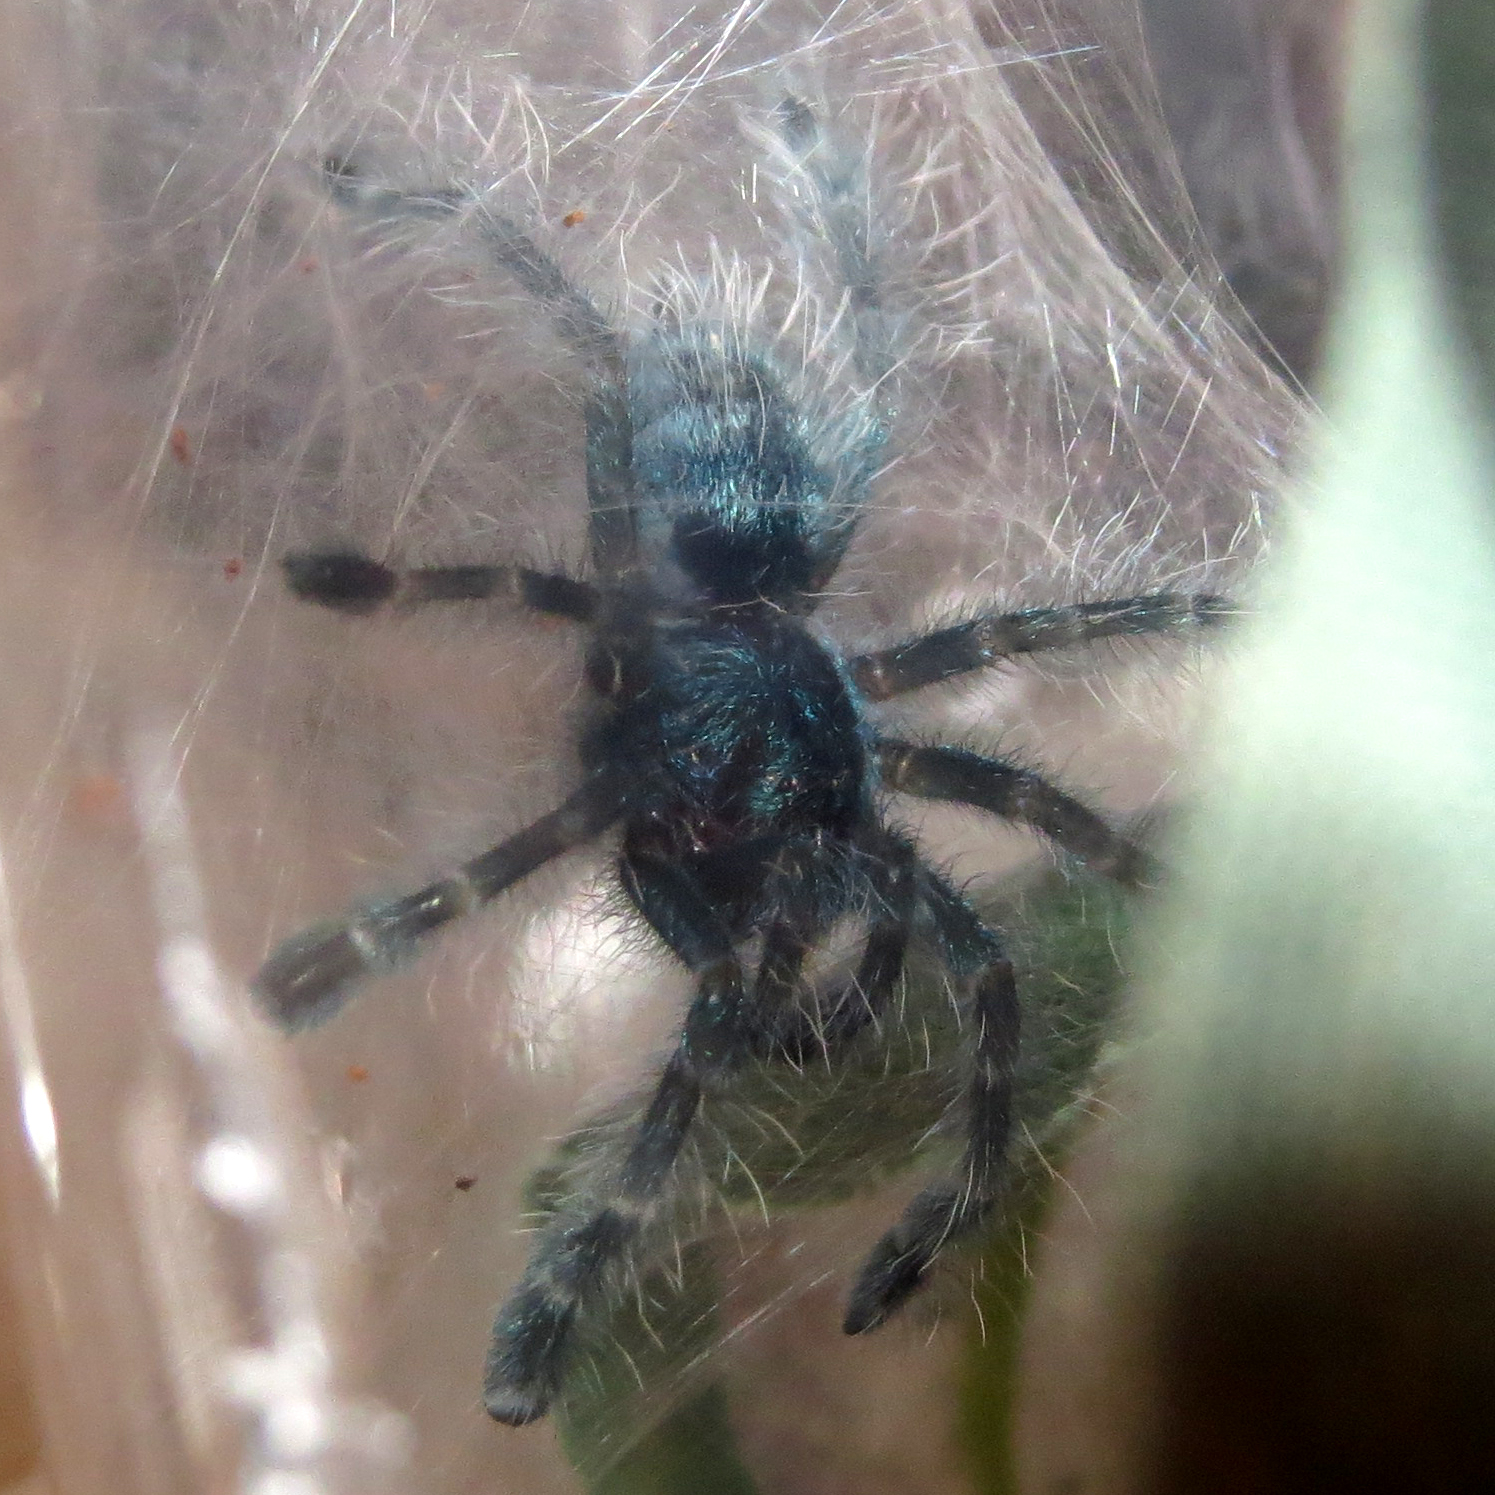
(729, 748)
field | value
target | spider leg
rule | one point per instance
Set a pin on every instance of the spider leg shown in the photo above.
(310, 976)
(351, 582)
(577, 319)
(800, 1034)
(788, 1029)
(981, 642)
(1018, 795)
(580, 324)
(828, 185)
(898, 1263)
(886, 949)
(532, 1336)
(793, 1032)
(834, 193)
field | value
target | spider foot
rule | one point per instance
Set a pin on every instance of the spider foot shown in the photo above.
(898, 1264)
(310, 976)
(524, 1361)
(534, 1334)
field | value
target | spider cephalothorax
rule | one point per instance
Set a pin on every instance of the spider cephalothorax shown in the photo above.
(730, 752)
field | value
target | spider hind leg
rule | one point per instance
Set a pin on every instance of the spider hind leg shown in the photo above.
(954, 1207)
(730, 1024)
(799, 1034)
(534, 1334)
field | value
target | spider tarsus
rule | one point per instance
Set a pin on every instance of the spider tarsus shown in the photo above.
(310, 976)
(803, 1036)
(338, 168)
(528, 1355)
(524, 1359)
(344, 580)
(891, 1275)
(1212, 610)
(797, 122)
(897, 1265)
(514, 1408)
(1130, 866)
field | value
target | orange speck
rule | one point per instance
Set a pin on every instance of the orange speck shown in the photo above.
(357, 1074)
(309, 264)
(181, 445)
(575, 216)
(232, 567)
(434, 390)
(98, 798)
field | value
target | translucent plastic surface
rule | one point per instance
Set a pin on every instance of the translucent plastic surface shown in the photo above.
(242, 1261)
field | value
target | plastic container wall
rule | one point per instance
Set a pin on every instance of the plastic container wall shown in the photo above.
(240, 1261)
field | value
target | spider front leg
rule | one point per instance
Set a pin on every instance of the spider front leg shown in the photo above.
(899, 1262)
(350, 582)
(534, 1332)
(611, 488)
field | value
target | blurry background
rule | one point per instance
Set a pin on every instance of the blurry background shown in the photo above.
(1252, 96)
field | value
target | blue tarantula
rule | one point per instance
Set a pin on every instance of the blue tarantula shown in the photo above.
(729, 750)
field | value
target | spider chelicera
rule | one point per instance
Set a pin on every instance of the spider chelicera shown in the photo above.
(729, 750)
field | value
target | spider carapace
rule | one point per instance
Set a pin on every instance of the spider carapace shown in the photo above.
(729, 754)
